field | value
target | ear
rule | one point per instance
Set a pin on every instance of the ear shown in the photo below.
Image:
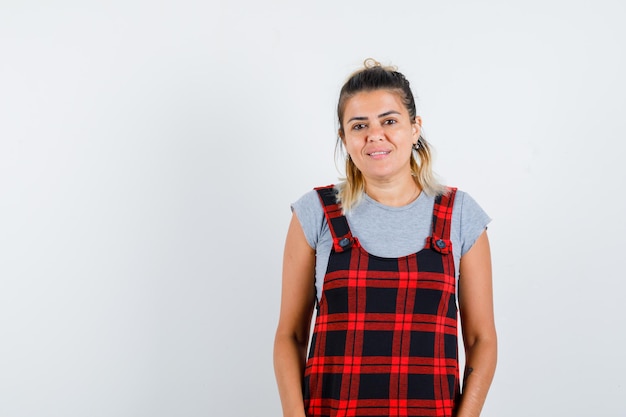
(341, 136)
(417, 128)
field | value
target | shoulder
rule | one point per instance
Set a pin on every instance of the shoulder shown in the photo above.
(467, 206)
(308, 209)
(468, 219)
(310, 201)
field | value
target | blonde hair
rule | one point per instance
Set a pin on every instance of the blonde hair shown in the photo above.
(375, 76)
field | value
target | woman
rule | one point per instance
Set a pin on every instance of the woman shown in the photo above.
(378, 256)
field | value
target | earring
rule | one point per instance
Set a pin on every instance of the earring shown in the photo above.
(418, 144)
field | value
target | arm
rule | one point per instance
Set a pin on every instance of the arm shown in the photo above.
(478, 327)
(296, 309)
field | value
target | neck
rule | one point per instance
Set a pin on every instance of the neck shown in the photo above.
(393, 194)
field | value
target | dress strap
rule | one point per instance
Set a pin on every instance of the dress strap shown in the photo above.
(442, 220)
(337, 222)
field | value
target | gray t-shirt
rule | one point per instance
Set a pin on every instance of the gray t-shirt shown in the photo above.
(389, 232)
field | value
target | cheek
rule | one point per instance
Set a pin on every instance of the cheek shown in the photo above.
(353, 148)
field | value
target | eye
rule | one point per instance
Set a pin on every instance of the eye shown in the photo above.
(390, 122)
(358, 126)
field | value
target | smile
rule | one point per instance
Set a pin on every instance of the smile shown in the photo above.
(379, 153)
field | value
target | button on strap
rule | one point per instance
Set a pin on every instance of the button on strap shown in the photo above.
(443, 246)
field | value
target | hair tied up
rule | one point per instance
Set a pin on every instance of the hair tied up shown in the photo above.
(370, 63)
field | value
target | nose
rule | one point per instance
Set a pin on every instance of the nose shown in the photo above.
(375, 133)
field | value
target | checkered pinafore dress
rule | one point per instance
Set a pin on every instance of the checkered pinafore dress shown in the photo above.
(385, 336)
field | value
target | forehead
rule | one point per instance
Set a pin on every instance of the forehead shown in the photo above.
(376, 101)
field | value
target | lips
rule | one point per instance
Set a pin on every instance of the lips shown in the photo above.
(378, 154)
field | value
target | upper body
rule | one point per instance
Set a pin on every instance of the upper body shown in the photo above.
(389, 232)
(388, 168)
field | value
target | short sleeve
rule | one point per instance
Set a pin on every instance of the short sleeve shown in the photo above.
(473, 222)
(310, 213)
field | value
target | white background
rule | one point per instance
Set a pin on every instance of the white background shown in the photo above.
(149, 151)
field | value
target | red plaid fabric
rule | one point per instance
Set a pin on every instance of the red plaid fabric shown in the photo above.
(385, 336)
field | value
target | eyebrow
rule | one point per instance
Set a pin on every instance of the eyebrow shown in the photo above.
(387, 113)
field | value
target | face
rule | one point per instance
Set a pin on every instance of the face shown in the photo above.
(379, 135)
